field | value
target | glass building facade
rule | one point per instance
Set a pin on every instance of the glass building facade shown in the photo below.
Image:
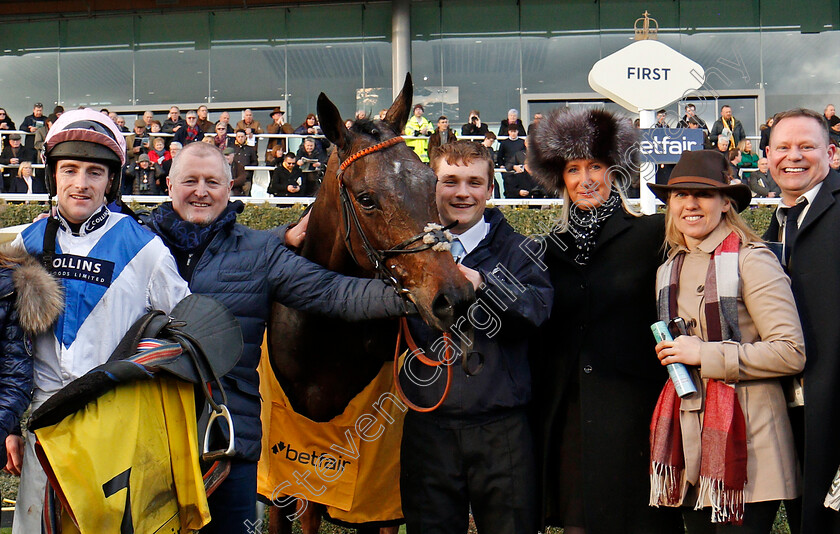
(760, 56)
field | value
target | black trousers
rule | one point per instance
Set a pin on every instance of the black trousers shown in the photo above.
(758, 519)
(489, 467)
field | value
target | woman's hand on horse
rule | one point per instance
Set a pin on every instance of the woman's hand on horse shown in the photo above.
(684, 349)
(472, 275)
(14, 454)
(296, 234)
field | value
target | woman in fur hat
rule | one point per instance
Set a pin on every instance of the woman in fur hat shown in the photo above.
(595, 379)
(30, 301)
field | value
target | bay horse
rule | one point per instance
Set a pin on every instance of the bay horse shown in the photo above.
(388, 198)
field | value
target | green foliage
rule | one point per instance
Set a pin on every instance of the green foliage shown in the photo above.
(527, 221)
(265, 216)
(758, 217)
(19, 213)
(531, 221)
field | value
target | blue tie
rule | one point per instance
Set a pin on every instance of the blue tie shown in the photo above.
(457, 249)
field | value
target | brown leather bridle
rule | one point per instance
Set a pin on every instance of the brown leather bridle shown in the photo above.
(429, 238)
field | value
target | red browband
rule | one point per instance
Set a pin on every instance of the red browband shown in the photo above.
(369, 150)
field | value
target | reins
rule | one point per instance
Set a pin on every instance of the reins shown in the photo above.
(434, 236)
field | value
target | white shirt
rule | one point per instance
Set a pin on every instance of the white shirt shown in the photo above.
(809, 195)
(474, 235)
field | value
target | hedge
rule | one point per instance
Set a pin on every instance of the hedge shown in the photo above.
(262, 216)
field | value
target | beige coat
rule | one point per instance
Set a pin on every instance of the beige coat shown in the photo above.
(771, 347)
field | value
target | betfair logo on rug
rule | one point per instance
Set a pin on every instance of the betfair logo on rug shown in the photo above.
(324, 461)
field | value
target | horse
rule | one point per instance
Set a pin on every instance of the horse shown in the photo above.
(368, 220)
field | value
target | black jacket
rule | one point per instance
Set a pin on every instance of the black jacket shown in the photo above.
(281, 178)
(503, 129)
(505, 380)
(31, 120)
(169, 125)
(185, 137)
(814, 272)
(318, 154)
(508, 148)
(597, 347)
(737, 132)
(23, 154)
(19, 185)
(471, 129)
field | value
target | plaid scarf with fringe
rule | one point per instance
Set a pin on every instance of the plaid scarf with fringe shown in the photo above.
(723, 459)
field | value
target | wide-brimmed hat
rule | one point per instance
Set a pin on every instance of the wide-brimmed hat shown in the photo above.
(275, 111)
(704, 169)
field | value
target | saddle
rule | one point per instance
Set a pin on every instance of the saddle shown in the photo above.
(199, 341)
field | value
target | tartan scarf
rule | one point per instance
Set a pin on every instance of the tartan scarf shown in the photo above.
(723, 459)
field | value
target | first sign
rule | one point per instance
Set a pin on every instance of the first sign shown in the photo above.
(646, 75)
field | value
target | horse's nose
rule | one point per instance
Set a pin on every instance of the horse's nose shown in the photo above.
(443, 308)
(448, 305)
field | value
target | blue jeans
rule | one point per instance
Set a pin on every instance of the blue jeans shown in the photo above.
(234, 502)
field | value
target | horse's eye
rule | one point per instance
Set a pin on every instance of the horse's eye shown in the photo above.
(366, 201)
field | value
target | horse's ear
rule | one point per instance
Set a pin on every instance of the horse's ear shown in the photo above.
(331, 123)
(399, 111)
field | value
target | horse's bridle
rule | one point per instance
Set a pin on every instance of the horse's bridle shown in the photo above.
(434, 236)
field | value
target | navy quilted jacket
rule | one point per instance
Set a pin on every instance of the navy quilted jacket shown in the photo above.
(15, 359)
(247, 270)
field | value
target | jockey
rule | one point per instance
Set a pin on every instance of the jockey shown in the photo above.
(111, 269)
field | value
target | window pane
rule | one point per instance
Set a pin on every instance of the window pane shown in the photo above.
(28, 67)
(172, 58)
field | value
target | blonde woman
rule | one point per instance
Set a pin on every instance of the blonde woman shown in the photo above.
(26, 182)
(725, 455)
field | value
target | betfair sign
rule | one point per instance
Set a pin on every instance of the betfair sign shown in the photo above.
(646, 75)
(665, 145)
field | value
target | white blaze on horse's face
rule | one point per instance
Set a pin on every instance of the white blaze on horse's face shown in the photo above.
(397, 167)
(462, 193)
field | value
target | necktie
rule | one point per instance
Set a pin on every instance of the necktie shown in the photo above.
(457, 250)
(792, 226)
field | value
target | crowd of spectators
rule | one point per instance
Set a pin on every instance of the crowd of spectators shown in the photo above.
(149, 154)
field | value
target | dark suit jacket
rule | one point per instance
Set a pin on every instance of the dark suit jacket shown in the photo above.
(503, 129)
(814, 272)
(19, 186)
(23, 154)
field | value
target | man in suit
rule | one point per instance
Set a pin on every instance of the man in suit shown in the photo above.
(475, 452)
(807, 223)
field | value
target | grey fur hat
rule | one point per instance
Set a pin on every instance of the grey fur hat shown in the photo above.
(581, 134)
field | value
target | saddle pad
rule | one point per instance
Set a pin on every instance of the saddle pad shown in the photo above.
(350, 464)
(130, 455)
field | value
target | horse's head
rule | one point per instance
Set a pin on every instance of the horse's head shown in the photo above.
(390, 199)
